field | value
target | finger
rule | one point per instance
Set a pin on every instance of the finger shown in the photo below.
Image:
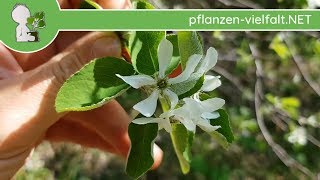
(115, 4)
(70, 131)
(69, 4)
(33, 94)
(9, 166)
(93, 45)
(110, 122)
(29, 61)
(8, 65)
(158, 156)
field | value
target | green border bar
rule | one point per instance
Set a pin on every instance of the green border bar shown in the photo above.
(266, 20)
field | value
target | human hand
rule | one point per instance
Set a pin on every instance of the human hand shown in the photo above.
(29, 84)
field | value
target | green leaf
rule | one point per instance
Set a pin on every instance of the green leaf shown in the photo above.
(140, 158)
(94, 85)
(143, 46)
(41, 24)
(224, 122)
(291, 106)
(89, 4)
(39, 15)
(194, 90)
(182, 142)
(143, 5)
(220, 139)
(204, 96)
(30, 20)
(189, 43)
(175, 61)
(280, 48)
(189, 87)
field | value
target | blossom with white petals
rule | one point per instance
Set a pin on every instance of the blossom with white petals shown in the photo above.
(210, 83)
(299, 136)
(163, 121)
(199, 113)
(160, 83)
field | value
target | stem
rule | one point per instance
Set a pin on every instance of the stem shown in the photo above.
(35, 25)
(164, 104)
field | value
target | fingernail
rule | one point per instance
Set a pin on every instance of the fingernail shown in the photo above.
(106, 46)
(158, 156)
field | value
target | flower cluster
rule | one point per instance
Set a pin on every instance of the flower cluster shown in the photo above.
(190, 111)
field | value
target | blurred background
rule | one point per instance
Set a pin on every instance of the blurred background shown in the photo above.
(271, 83)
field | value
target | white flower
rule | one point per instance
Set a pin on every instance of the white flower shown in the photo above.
(160, 83)
(210, 83)
(312, 121)
(163, 121)
(298, 136)
(313, 4)
(199, 113)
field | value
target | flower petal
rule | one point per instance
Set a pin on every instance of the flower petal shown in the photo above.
(146, 120)
(193, 107)
(137, 81)
(210, 83)
(148, 106)
(191, 66)
(208, 115)
(165, 124)
(206, 126)
(173, 98)
(209, 61)
(188, 123)
(212, 104)
(192, 104)
(164, 56)
(183, 115)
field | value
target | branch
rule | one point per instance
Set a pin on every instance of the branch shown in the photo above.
(229, 77)
(250, 4)
(277, 149)
(299, 63)
(158, 4)
(241, 4)
(313, 140)
(286, 118)
(231, 3)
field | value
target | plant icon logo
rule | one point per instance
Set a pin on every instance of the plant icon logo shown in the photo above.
(22, 16)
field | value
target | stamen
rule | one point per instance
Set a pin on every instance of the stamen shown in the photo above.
(162, 83)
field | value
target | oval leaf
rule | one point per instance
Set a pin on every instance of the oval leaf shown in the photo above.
(143, 5)
(41, 24)
(39, 15)
(89, 4)
(143, 46)
(94, 85)
(30, 21)
(182, 142)
(190, 43)
(194, 90)
(224, 122)
(175, 61)
(140, 158)
(189, 87)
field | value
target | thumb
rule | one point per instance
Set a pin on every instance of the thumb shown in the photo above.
(94, 45)
(27, 101)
